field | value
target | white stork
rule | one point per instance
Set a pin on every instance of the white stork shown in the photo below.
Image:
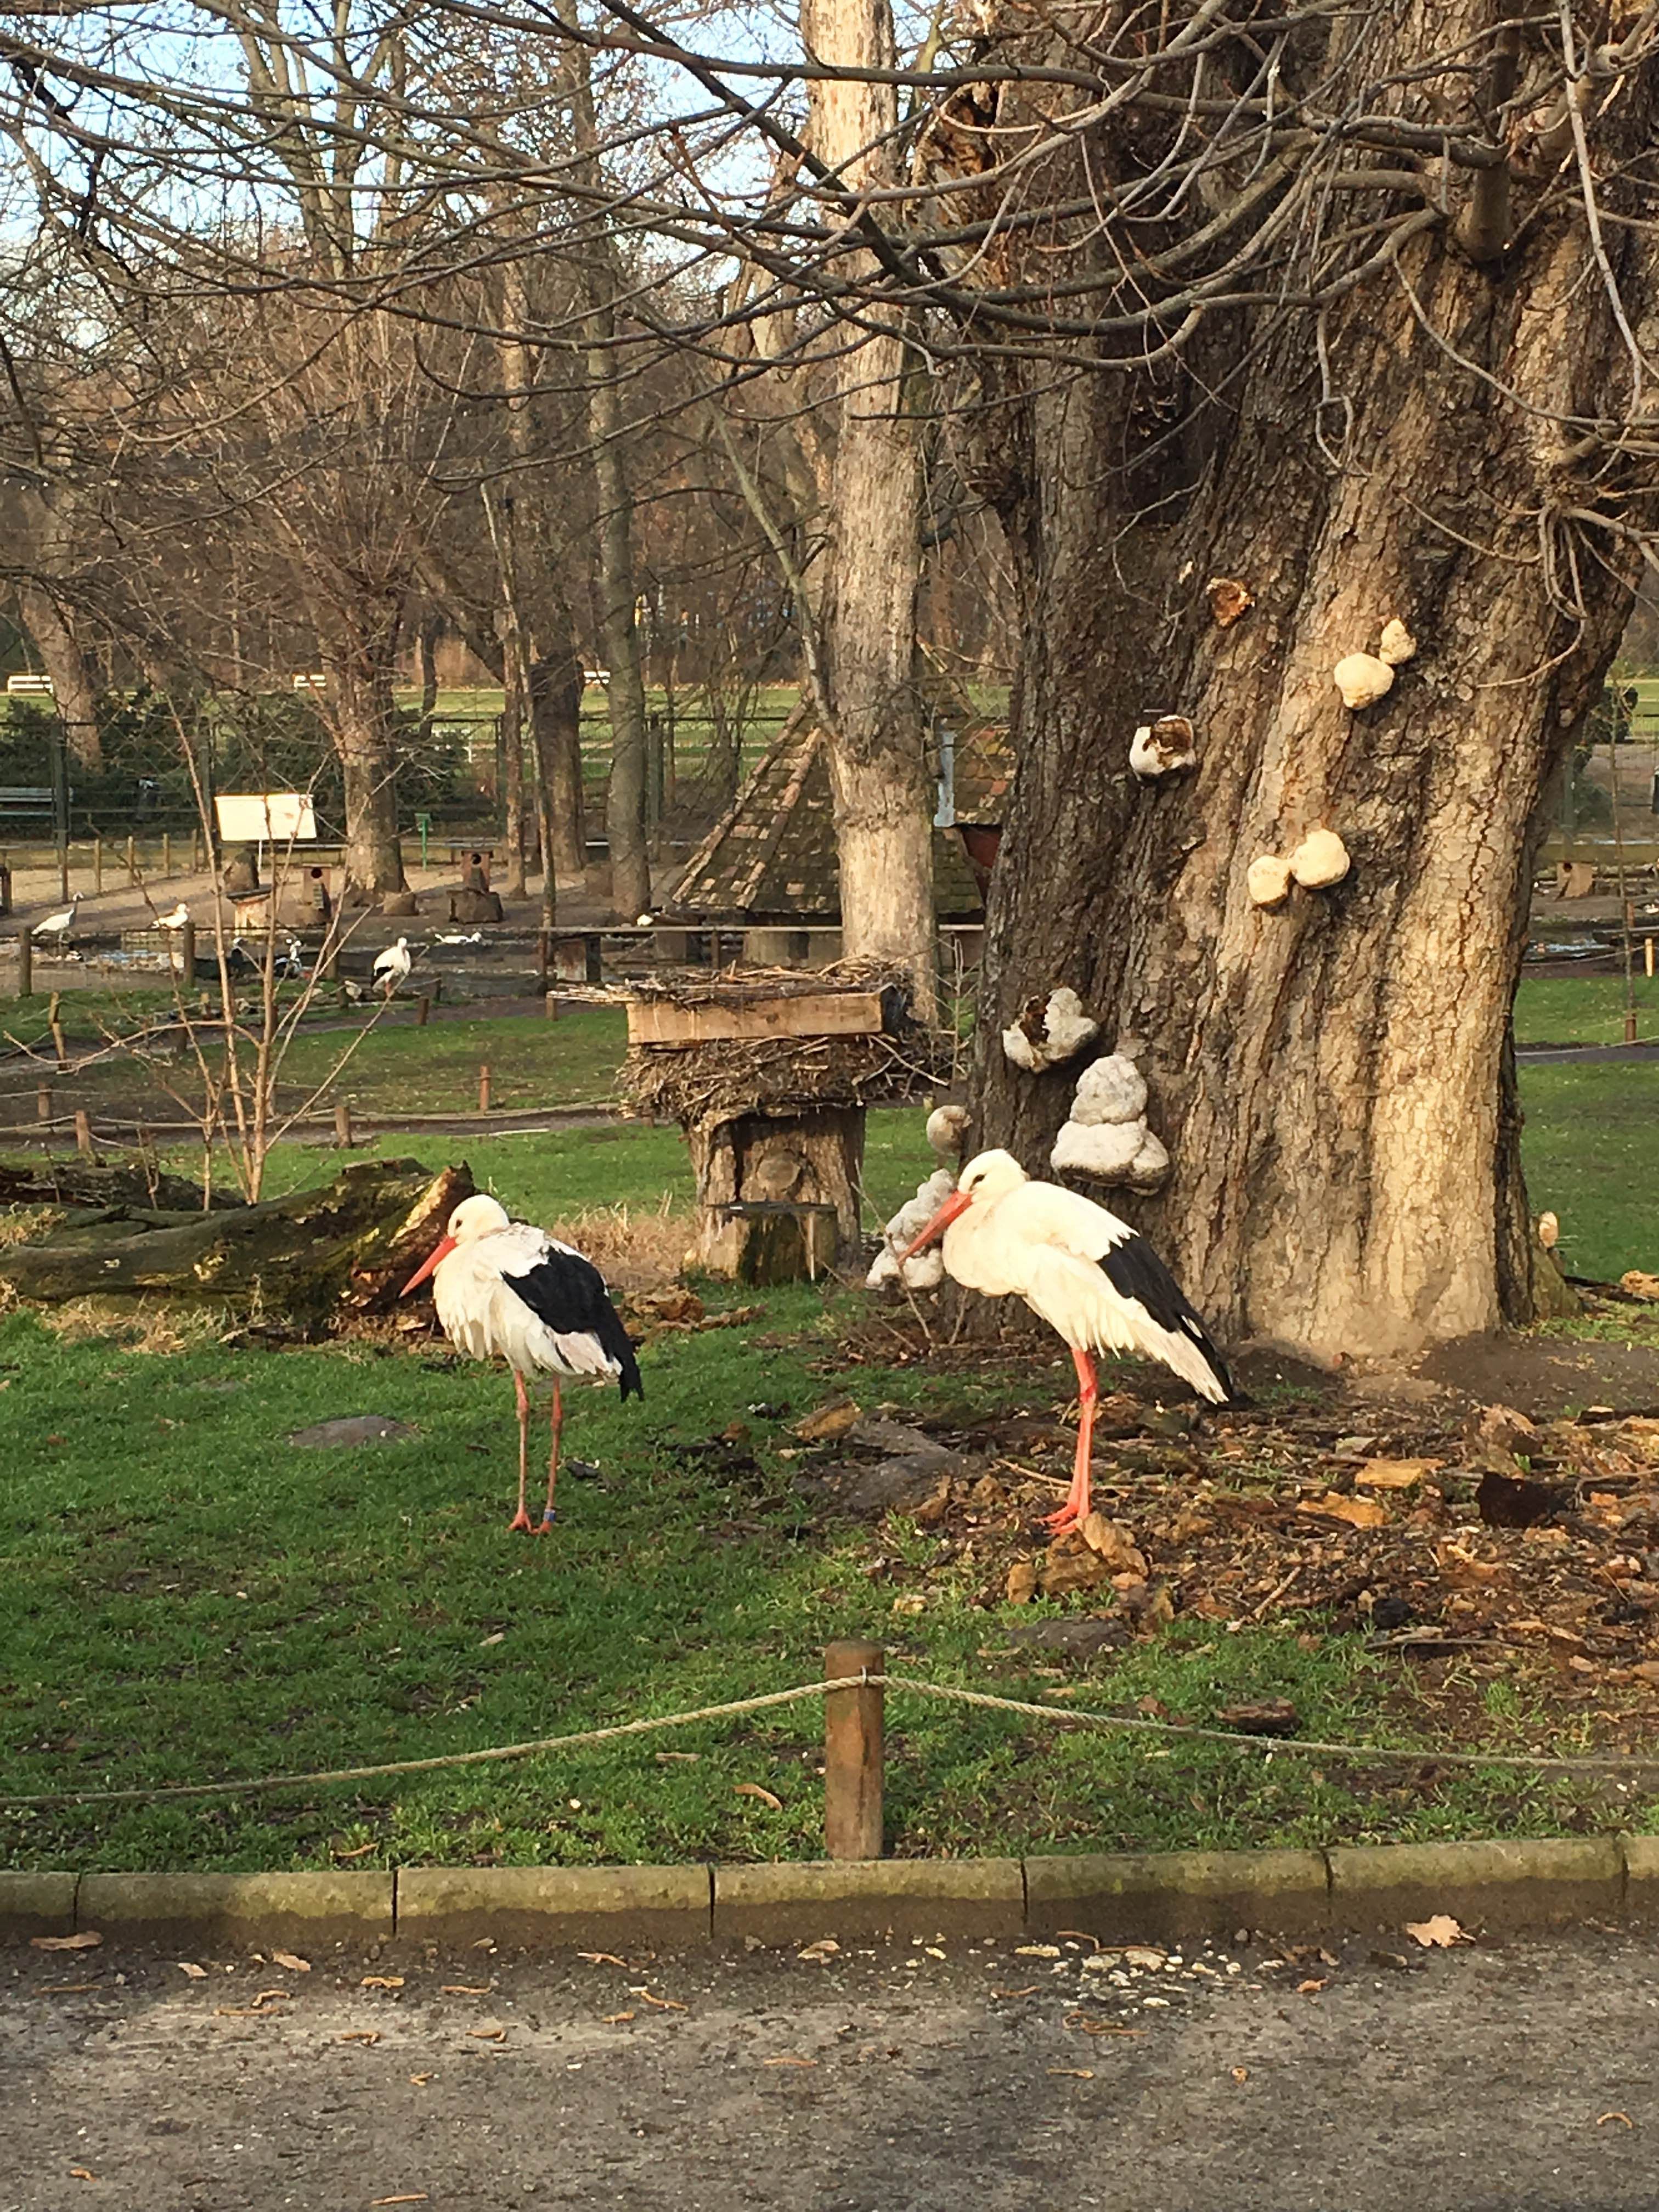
(505, 1290)
(176, 920)
(59, 925)
(1089, 1275)
(391, 967)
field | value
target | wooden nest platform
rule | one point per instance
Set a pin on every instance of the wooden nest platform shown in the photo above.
(769, 1074)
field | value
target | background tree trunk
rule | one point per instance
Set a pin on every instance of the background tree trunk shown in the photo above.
(74, 693)
(878, 763)
(624, 810)
(1329, 1076)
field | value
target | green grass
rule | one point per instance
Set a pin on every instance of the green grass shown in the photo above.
(204, 1600)
(1583, 1009)
(1589, 1145)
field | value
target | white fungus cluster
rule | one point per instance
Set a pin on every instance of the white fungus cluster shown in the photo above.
(1106, 1136)
(1048, 1036)
(927, 1271)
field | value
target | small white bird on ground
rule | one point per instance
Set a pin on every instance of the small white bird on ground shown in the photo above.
(176, 920)
(1090, 1276)
(391, 967)
(59, 925)
(504, 1290)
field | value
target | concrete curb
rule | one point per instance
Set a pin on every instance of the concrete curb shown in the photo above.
(1494, 1888)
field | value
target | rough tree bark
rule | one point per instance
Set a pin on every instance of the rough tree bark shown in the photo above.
(358, 658)
(871, 706)
(1332, 1077)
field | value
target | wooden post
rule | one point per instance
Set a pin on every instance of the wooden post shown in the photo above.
(484, 1088)
(43, 1101)
(197, 850)
(25, 963)
(343, 1123)
(544, 956)
(1647, 955)
(55, 1024)
(167, 853)
(186, 937)
(852, 1753)
(551, 1002)
(84, 1135)
(423, 1011)
(97, 863)
(133, 859)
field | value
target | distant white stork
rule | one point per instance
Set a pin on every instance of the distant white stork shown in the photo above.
(391, 967)
(59, 925)
(1090, 1276)
(176, 920)
(505, 1290)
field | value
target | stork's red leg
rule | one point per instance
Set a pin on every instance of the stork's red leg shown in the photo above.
(1077, 1501)
(521, 1519)
(547, 1518)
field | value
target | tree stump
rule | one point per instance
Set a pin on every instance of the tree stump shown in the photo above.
(778, 1194)
(474, 906)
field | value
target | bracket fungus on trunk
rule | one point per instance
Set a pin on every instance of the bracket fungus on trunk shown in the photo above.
(1397, 644)
(927, 1271)
(1106, 1136)
(1229, 599)
(1268, 880)
(1320, 860)
(1362, 679)
(1049, 1032)
(1161, 747)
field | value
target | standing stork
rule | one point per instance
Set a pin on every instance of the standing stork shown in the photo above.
(1090, 1276)
(59, 925)
(505, 1290)
(391, 967)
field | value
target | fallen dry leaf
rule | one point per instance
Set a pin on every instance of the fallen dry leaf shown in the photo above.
(1141, 1955)
(471, 1989)
(1240, 2073)
(825, 1950)
(292, 1961)
(1311, 1989)
(420, 2080)
(602, 1958)
(81, 2174)
(1029, 1990)
(381, 1982)
(196, 1973)
(1091, 2024)
(1358, 1512)
(1637, 1284)
(789, 2062)
(1625, 2116)
(754, 1789)
(84, 1941)
(362, 1851)
(359, 2035)
(414, 2196)
(662, 2004)
(829, 1421)
(1440, 1932)
(1073, 2073)
(1036, 1950)
(1394, 1473)
(488, 2034)
(616, 2019)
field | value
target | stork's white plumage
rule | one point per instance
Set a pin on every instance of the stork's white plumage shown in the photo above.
(505, 1290)
(59, 925)
(176, 920)
(391, 967)
(1091, 1276)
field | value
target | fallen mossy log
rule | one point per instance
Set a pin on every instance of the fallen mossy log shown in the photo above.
(79, 1183)
(308, 1261)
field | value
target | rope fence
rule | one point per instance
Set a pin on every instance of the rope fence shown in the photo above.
(863, 1686)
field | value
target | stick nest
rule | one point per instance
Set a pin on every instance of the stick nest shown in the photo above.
(701, 1085)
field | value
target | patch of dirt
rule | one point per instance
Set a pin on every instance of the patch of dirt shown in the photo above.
(1547, 1375)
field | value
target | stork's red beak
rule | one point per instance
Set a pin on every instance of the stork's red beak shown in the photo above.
(426, 1268)
(958, 1202)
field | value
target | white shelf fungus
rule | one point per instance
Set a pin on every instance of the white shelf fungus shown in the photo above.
(1046, 1036)
(947, 1127)
(1321, 860)
(1362, 679)
(1107, 1137)
(1397, 644)
(927, 1271)
(1161, 747)
(1268, 880)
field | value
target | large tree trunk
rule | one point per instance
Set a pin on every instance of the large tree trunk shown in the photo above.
(73, 692)
(878, 763)
(357, 647)
(624, 808)
(1329, 1075)
(555, 717)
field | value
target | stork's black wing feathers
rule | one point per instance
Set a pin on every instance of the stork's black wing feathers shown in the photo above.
(1135, 1271)
(568, 1293)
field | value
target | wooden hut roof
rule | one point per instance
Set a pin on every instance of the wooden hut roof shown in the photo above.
(774, 854)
